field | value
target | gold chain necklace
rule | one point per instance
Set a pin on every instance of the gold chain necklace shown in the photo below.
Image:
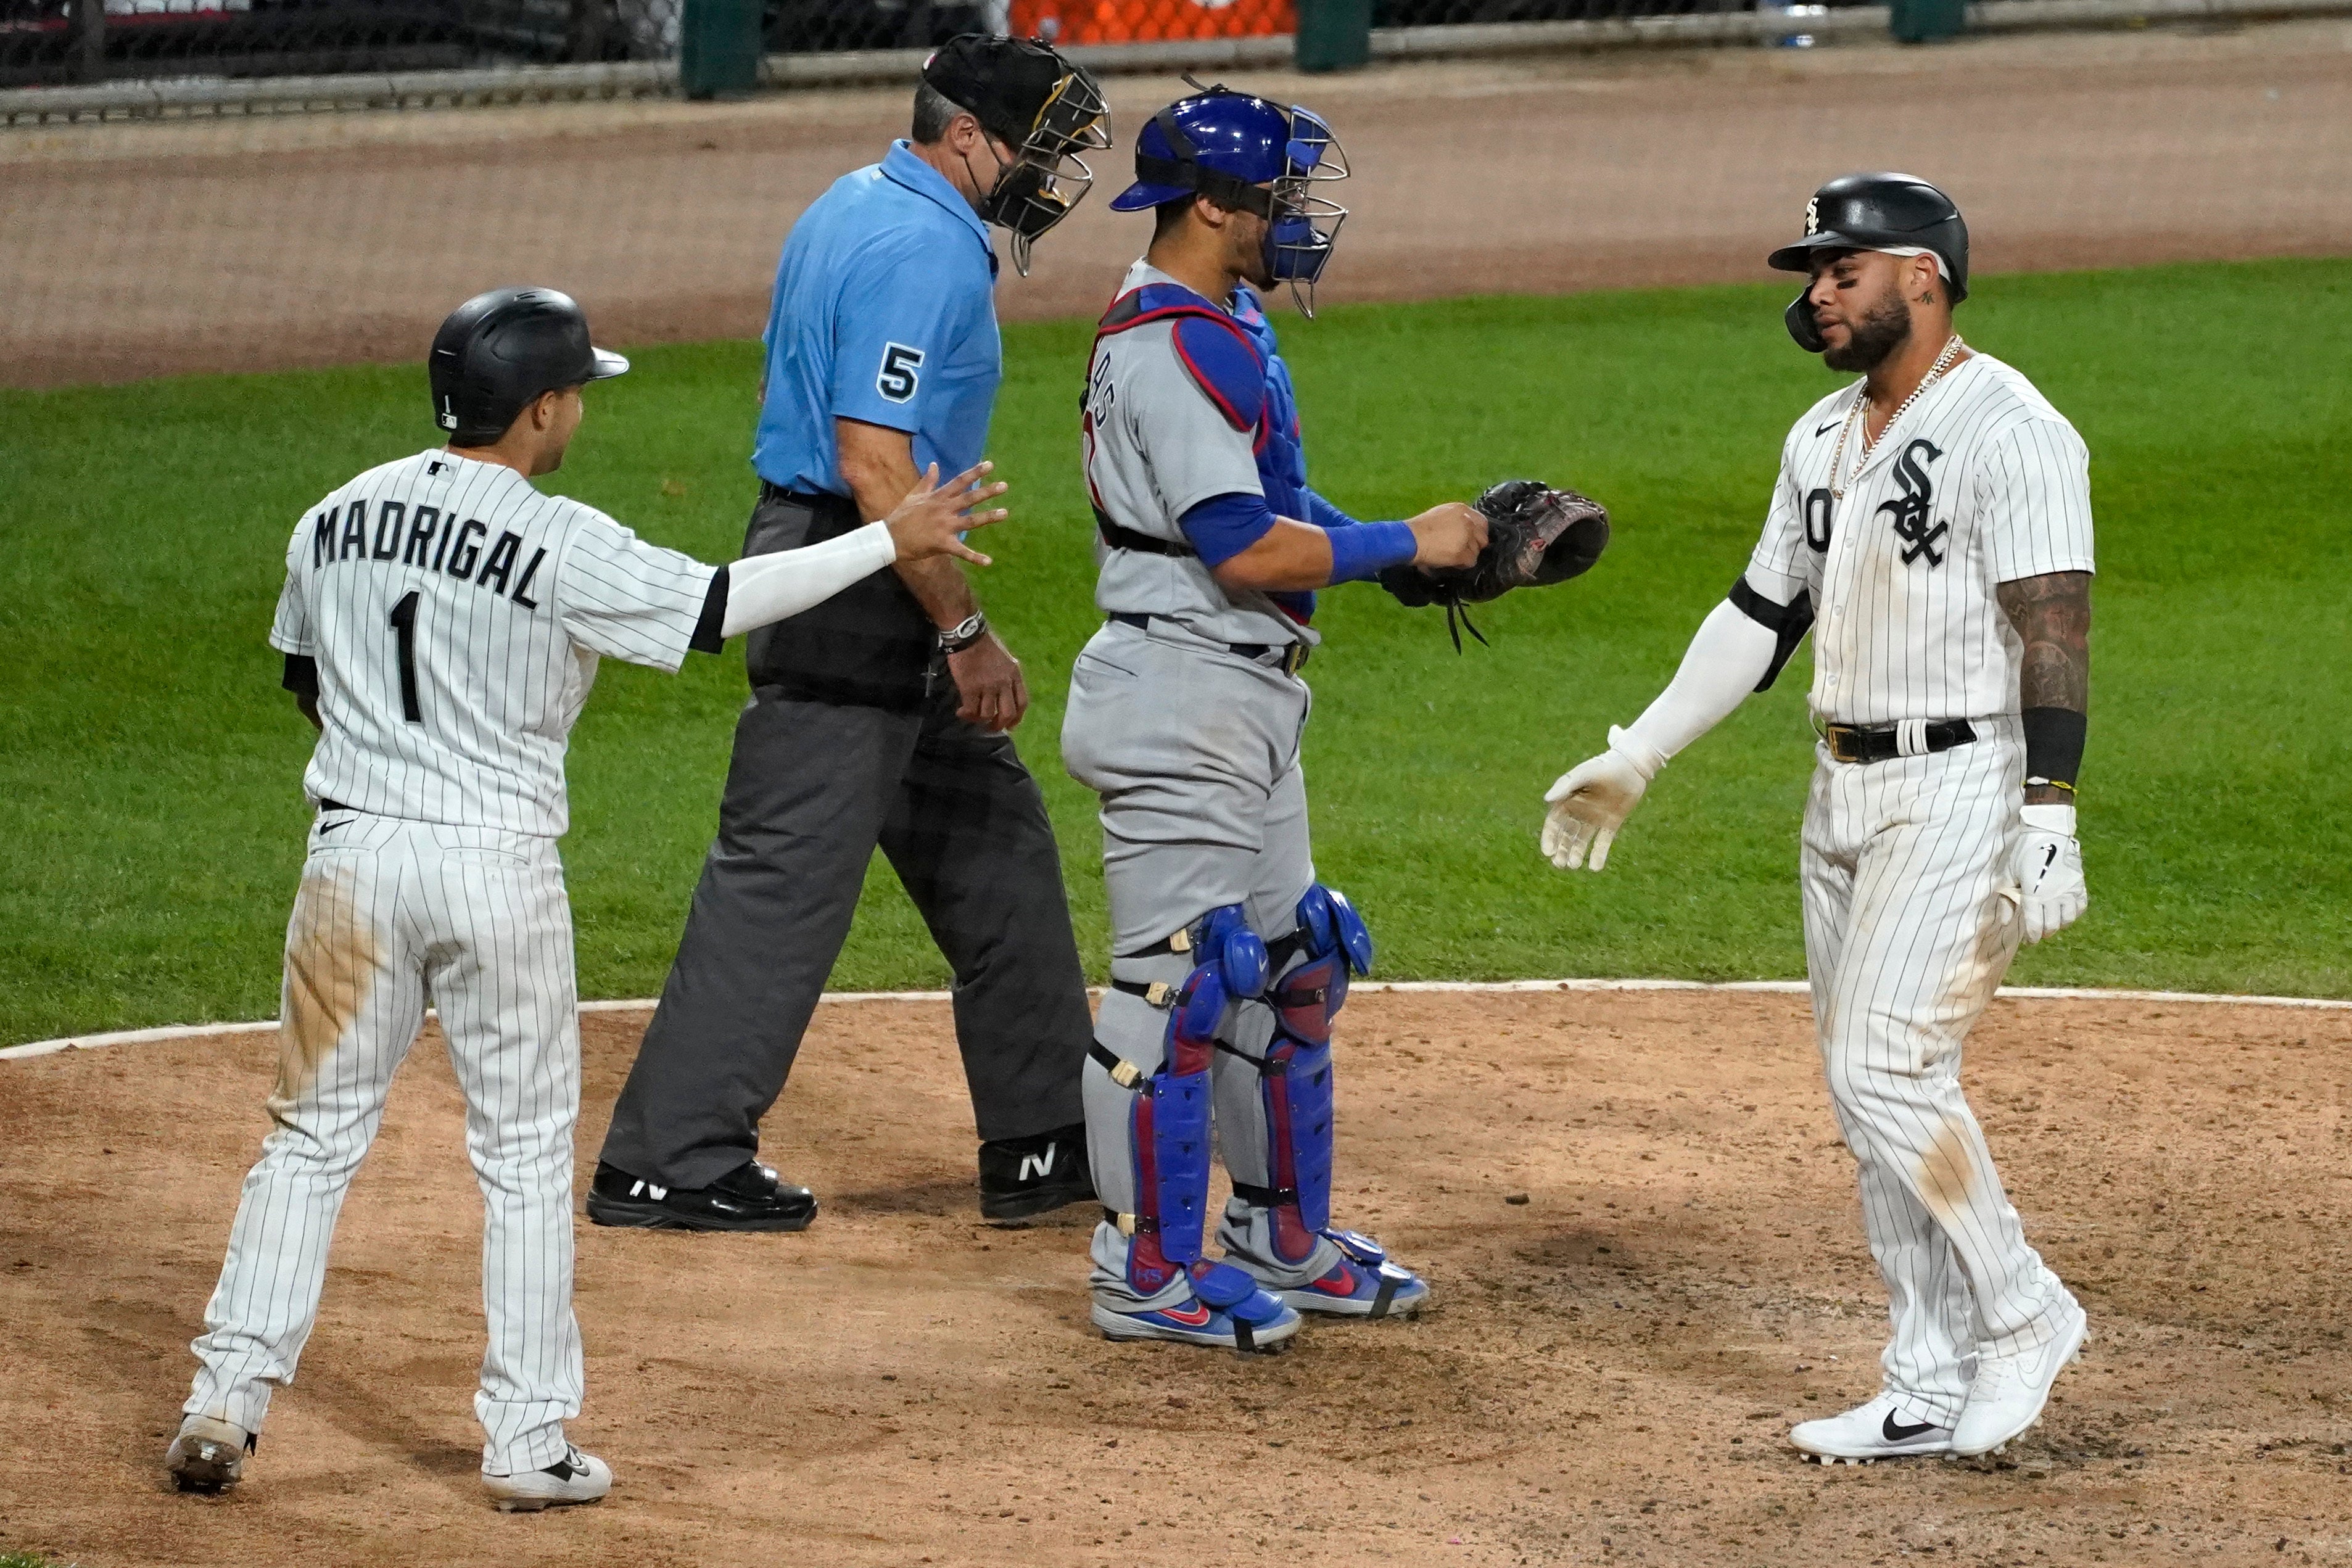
(1837, 458)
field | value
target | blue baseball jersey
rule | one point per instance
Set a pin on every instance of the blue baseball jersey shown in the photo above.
(885, 311)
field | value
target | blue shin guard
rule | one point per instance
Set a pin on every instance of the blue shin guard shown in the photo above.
(1172, 1142)
(1169, 1130)
(1294, 1079)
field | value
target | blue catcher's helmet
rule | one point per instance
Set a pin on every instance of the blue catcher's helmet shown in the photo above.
(1246, 153)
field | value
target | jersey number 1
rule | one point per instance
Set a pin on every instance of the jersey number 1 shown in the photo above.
(404, 626)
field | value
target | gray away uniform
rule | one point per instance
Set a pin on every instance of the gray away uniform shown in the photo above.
(1186, 716)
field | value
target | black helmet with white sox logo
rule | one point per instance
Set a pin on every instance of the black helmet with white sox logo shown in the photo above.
(498, 351)
(1900, 213)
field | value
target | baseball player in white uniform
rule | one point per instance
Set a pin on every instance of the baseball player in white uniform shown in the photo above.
(441, 623)
(1936, 517)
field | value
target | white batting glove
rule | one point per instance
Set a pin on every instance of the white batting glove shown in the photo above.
(1591, 801)
(2051, 894)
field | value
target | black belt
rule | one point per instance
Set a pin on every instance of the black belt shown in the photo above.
(772, 494)
(1119, 538)
(335, 805)
(1292, 656)
(1884, 743)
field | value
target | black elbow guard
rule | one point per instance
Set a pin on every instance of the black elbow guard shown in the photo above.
(1788, 623)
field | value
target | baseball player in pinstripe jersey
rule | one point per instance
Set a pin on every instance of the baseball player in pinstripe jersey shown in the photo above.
(1932, 524)
(441, 623)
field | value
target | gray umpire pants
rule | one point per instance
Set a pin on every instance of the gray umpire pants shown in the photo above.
(813, 789)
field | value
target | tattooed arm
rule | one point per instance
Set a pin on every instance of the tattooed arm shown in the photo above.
(2052, 614)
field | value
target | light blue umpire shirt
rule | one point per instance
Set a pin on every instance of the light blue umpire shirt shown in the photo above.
(884, 310)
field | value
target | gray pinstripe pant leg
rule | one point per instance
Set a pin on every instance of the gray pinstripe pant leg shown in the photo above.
(389, 912)
(1906, 938)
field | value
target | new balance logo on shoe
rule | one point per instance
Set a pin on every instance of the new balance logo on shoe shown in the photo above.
(1036, 1166)
(646, 1189)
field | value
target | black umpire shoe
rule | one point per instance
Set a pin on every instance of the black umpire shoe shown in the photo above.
(748, 1197)
(1021, 1178)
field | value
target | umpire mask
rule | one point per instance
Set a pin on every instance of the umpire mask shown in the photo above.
(1049, 111)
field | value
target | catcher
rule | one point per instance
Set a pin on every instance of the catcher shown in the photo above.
(1229, 959)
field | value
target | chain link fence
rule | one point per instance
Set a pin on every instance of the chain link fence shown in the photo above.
(48, 42)
(52, 42)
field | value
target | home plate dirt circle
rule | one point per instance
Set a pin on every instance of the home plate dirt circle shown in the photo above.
(1640, 1225)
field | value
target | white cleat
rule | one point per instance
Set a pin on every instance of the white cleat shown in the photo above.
(575, 1479)
(2010, 1391)
(208, 1456)
(1885, 1428)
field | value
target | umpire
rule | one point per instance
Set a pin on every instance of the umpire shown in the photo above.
(882, 718)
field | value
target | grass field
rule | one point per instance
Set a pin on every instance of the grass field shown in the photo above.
(149, 783)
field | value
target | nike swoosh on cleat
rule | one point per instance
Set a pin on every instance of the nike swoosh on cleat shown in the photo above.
(1339, 1282)
(1896, 1432)
(1192, 1317)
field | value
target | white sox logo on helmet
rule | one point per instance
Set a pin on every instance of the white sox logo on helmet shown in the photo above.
(1813, 216)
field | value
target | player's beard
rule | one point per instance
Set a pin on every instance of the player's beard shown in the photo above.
(1877, 333)
(1255, 267)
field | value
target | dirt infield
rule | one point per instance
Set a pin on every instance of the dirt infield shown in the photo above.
(134, 250)
(1606, 1376)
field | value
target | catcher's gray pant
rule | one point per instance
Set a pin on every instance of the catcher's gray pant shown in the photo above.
(1907, 934)
(389, 911)
(813, 788)
(1194, 750)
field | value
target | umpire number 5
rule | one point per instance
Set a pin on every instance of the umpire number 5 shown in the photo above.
(897, 379)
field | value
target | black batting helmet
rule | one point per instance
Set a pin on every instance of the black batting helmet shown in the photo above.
(1874, 212)
(498, 351)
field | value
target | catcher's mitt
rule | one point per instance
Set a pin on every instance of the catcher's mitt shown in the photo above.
(1536, 536)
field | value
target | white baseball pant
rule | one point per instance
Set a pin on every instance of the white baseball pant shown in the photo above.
(1907, 936)
(389, 912)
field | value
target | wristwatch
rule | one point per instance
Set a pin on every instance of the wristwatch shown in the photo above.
(958, 637)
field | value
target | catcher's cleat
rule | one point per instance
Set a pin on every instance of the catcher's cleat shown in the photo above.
(1885, 1428)
(576, 1478)
(1363, 1283)
(1260, 1324)
(1351, 1290)
(2009, 1390)
(208, 1455)
(748, 1197)
(1021, 1178)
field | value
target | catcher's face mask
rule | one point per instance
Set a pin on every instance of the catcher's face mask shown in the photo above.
(1302, 226)
(1048, 176)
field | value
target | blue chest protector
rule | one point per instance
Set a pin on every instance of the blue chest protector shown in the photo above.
(1281, 451)
(1233, 358)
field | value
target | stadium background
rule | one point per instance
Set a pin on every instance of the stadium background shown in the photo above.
(1552, 268)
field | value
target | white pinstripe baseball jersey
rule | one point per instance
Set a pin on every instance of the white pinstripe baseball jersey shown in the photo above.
(1980, 483)
(457, 616)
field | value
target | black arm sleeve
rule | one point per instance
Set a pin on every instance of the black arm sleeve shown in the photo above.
(1789, 623)
(709, 631)
(2053, 744)
(301, 676)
